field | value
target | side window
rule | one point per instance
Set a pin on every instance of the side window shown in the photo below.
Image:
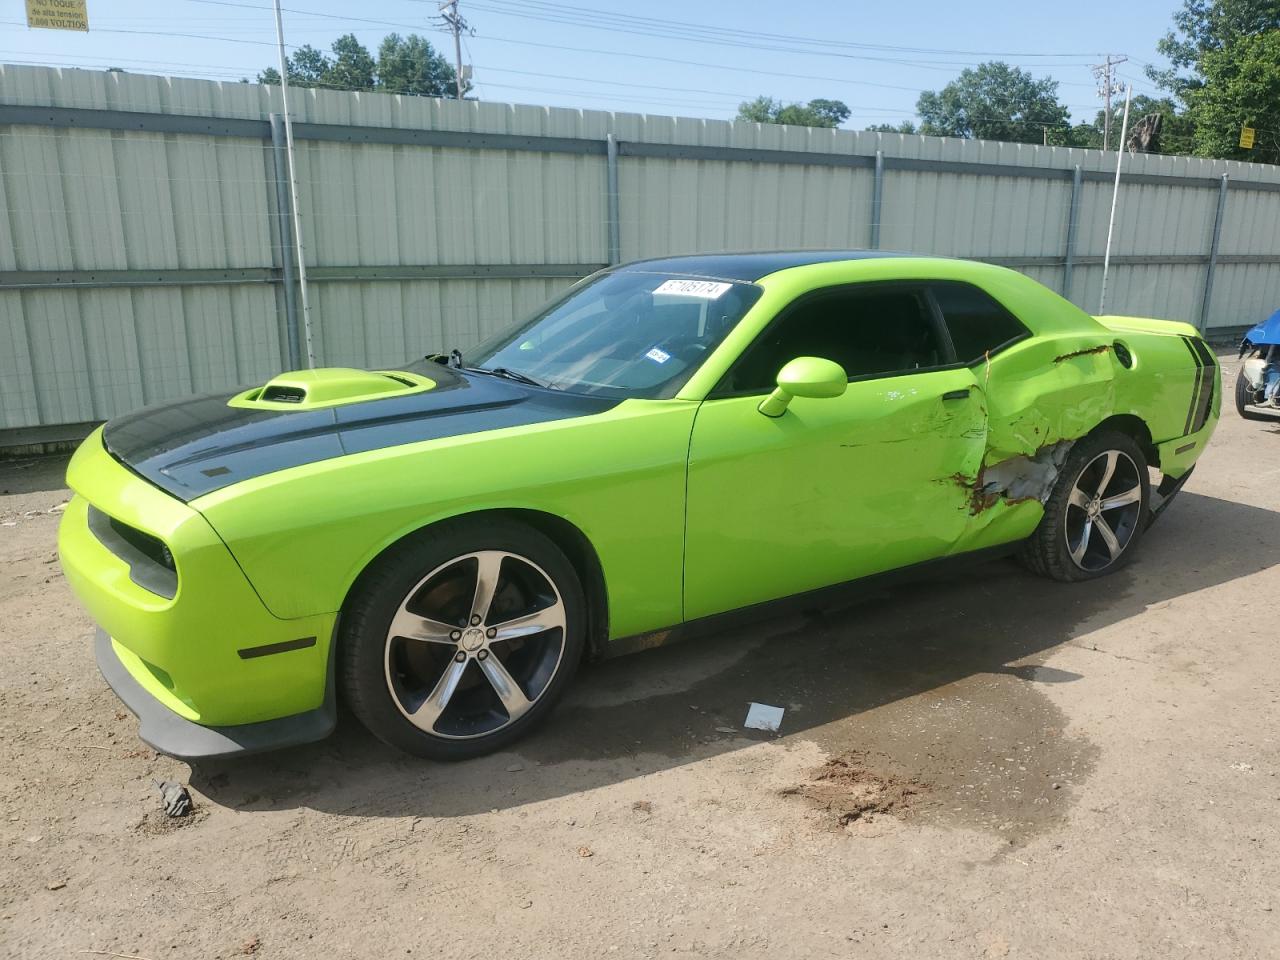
(978, 325)
(867, 332)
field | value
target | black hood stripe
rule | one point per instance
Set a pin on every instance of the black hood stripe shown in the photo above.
(196, 446)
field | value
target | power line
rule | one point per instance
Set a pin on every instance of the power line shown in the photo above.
(723, 95)
(312, 13)
(753, 71)
(834, 80)
(767, 45)
(665, 34)
(592, 15)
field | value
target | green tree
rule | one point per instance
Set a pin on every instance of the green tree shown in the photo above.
(1225, 57)
(406, 65)
(1176, 129)
(760, 110)
(994, 101)
(352, 67)
(815, 113)
(1087, 135)
(828, 113)
(1203, 27)
(1241, 88)
(906, 126)
(410, 65)
(307, 68)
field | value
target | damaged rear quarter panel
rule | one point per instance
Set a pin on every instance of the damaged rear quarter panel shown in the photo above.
(1048, 392)
(1041, 396)
(1038, 396)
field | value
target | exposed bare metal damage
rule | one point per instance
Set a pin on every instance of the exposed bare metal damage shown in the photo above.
(1016, 480)
(1101, 348)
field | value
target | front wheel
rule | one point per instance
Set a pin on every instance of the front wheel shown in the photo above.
(1097, 512)
(1246, 395)
(461, 639)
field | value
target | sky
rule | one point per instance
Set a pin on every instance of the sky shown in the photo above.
(658, 57)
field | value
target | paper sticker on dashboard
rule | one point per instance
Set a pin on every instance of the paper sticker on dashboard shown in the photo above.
(703, 289)
(658, 356)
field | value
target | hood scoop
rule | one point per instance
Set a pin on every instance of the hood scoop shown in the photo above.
(329, 387)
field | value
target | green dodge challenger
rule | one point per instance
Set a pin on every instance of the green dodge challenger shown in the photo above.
(670, 442)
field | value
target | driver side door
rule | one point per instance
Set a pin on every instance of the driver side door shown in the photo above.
(835, 488)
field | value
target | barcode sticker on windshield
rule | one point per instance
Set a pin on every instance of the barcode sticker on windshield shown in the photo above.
(703, 289)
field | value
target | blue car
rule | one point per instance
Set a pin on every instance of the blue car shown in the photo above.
(1259, 378)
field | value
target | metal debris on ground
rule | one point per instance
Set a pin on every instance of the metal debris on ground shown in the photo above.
(176, 799)
(761, 716)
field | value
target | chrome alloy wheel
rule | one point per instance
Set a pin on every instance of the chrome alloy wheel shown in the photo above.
(474, 644)
(1103, 510)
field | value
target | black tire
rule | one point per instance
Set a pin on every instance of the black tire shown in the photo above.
(1049, 551)
(382, 676)
(1246, 396)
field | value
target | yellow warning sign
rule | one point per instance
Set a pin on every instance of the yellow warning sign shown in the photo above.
(1246, 138)
(58, 14)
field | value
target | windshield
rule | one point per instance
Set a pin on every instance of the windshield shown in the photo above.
(623, 334)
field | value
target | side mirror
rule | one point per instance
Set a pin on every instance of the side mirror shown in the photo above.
(805, 377)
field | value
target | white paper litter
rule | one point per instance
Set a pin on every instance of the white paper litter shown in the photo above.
(761, 716)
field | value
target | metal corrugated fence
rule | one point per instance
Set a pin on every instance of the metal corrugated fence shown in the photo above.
(142, 249)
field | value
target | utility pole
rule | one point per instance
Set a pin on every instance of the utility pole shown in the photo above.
(293, 192)
(449, 13)
(1108, 85)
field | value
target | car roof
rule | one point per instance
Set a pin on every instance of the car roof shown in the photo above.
(750, 266)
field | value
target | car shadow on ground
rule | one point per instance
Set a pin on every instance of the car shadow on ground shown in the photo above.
(33, 474)
(834, 670)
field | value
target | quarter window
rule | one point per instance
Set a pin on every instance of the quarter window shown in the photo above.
(868, 332)
(977, 324)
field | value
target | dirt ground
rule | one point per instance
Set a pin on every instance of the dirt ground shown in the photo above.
(991, 765)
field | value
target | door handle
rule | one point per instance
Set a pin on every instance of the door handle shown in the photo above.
(956, 394)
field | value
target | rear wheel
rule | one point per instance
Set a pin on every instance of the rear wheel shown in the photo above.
(1097, 512)
(461, 640)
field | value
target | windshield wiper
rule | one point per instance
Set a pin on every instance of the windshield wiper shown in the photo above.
(510, 374)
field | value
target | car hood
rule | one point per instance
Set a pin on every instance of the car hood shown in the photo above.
(195, 446)
(1267, 332)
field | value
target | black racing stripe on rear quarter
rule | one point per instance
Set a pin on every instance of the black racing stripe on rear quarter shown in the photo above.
(1207, 370)
(1195, 386)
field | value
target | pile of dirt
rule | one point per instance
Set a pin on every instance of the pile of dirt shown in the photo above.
(155, 823)
(850, 790)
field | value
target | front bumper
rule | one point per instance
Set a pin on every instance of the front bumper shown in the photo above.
(178, 737)
(210, 656)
